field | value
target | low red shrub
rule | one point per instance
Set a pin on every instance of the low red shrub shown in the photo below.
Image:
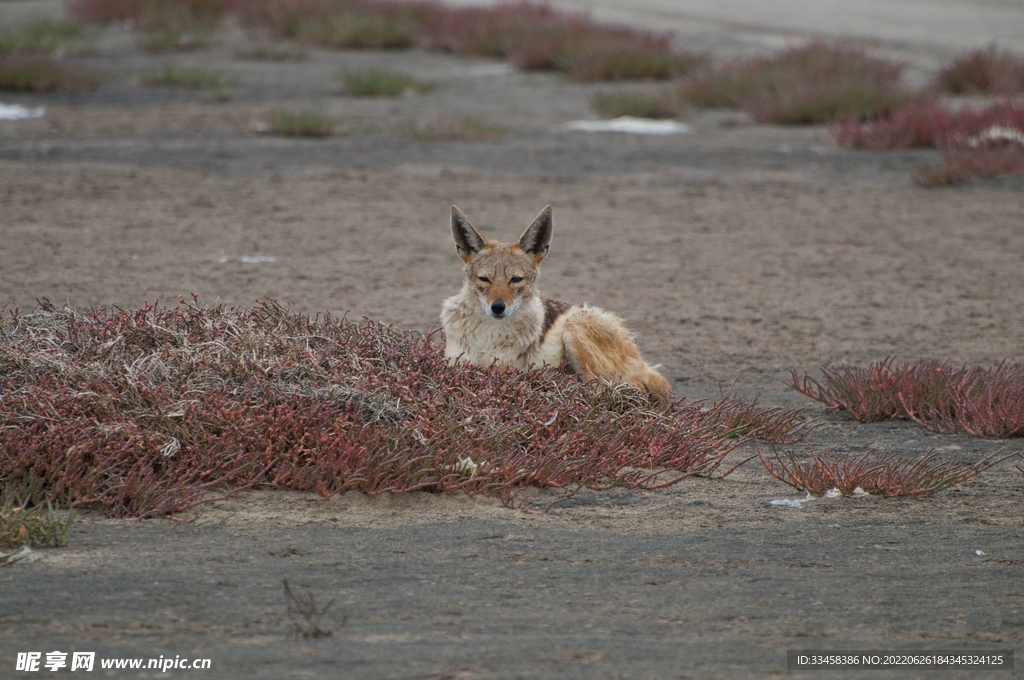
(987, 71)
(915, 124)
(985, 142)
(533, 36)
(930, 124)
(350, 23)
(960, 165)
(498, 31)
(938, 396)
(884, 475)
(150, 411)
(538, 37)
(812, 83)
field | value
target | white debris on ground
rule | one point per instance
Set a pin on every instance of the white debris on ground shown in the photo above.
(997, 134)
(170, 448)
(19, 112)
(26, 554)
(831, 493)
(836, 493)
(466, 466)
(249, 259)
(792, 502)
(630, 125)
(788, 502)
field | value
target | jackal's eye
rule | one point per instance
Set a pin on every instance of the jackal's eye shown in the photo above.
(484, 279)
(516, 279)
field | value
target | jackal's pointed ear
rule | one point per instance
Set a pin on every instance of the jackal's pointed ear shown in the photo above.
(468, 241)
(536, 240)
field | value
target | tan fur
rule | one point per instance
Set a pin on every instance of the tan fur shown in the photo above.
(532, 330)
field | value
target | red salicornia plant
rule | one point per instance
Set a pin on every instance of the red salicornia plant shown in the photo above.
(918, 123)
(926, 123)
(745, 418)
(984, 142)
(983, 402)
(533, 36)
(812, 83)
(987, 71)
(538, 37)
(885, 475)
(149, 411)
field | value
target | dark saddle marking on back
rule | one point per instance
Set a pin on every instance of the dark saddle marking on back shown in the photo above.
(552, 310)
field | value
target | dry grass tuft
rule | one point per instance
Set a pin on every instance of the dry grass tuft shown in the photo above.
(636, 103)
(176, 36)
(309, 616)
(379, 83)
(33, 73)
(150, 411)
(263, 51)
(451, 127)
(38, 526)
(815, 83)
(188, 78)
(176, 75)
(47, 37)
(302, 124)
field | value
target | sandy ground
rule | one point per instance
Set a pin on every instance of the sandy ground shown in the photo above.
(736, 253)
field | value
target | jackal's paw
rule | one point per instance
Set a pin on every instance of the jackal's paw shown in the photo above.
(658, 389)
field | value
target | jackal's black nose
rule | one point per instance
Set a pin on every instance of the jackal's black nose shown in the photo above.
(498, 307)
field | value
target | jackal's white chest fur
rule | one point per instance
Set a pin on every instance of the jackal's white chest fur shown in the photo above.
(517, 341)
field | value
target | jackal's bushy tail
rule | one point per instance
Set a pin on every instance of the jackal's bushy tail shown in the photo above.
(598, 345)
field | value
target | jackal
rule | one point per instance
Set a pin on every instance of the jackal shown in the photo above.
(499, 318)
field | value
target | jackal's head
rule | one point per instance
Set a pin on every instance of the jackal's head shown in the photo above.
(502, 274)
